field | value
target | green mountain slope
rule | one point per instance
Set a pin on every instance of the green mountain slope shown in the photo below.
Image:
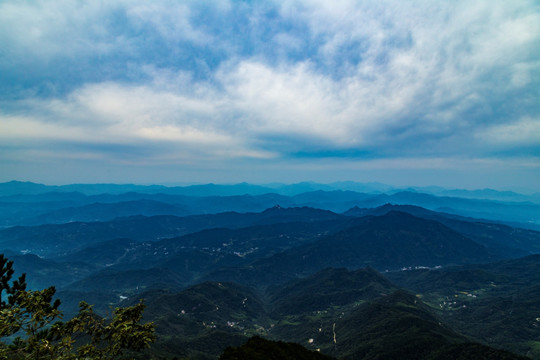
(390, 241)
(53, 240)
(400, 326)
(506, 241)
(214, 314)
(329, 288)
(497, 303)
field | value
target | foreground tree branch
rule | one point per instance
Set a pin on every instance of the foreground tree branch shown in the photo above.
(32, 321)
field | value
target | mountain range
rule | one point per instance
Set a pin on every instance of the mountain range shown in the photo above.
(300, 271)
(33, 204)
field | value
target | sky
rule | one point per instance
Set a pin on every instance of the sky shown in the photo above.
(401, 92)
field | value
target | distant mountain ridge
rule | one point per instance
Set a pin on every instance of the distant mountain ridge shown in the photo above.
(30, 188)
(34, 204)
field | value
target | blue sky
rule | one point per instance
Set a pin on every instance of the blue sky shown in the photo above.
(400, 92)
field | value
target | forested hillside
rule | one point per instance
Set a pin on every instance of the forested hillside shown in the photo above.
(390, 281)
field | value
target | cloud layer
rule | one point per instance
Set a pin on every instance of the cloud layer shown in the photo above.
(199, 83)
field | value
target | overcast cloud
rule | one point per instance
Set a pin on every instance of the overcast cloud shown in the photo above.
(210, 91)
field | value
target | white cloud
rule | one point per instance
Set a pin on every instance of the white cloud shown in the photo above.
(524, 132)
(17, 129)
(387, 77)
(137, 116)
(44, 30)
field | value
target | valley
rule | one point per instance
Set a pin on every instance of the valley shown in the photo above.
(344, 274)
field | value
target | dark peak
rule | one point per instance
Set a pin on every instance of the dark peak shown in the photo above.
(405, 220)
(273, 209)
(398, 213)
(383, 209)
(370, 270)
(357, 211)
(395, 215)
(398, 296)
